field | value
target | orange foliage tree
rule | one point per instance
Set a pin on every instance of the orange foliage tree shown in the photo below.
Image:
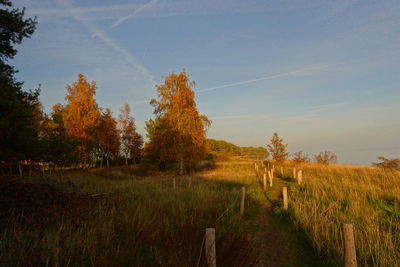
(82, 115)
(176, 106)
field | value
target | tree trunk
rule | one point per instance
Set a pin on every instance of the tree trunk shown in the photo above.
(126, 160)
(108, 163)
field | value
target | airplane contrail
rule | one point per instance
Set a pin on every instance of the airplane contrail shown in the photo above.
(318, 66)
(134, 13)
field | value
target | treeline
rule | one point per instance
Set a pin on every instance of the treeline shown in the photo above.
(220, 147)
(80, 133)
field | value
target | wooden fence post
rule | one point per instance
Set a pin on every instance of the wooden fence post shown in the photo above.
(243, 201)
(210, 247)
(350, 258)
(270, 173)
(281, 171)
(265, 182)
(294, 173)
(285, 198)
(299, 176)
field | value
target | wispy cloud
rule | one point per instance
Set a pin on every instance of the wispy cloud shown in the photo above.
(303, 71)
(134, 13)
(96, 32)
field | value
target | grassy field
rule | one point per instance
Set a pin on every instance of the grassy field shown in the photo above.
(368, 198)
(139, 221)
(123, 216)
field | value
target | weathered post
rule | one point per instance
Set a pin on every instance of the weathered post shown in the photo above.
(270, 173)
(20, 169)
(294, 173)
(210, 248)
(281, 171)
(243, 201)
(285, 198)
(299, 176)
(350, 258)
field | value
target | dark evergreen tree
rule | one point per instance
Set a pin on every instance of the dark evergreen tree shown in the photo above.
(18, 137)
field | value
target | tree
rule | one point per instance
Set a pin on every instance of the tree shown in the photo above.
(131, 141)
(326, 157)
(176, 107)
(107, 137)
(160, 148)
(277, 149)
(17, 136)
(388, 164)
(300, 157)
(82, 115)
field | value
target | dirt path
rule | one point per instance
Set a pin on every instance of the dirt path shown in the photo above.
(280, 243)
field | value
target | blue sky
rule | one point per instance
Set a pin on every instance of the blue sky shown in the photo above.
(324, 74)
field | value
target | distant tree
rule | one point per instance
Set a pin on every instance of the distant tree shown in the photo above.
(326, 157)
(300, 157)
(176, 107)
(131, 141)
(17, 134)
(388, 164)
(82, 115)
(161, 148)
(59, 148)
(107, 137)
(277, 149)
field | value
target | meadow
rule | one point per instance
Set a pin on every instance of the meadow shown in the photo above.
(368, 198)
(136, 216)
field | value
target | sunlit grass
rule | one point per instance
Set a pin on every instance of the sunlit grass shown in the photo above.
(368, 198)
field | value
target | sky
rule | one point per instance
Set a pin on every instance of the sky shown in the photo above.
(323, 74)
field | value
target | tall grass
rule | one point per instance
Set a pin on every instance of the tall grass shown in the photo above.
(141, 221)
(368, 198)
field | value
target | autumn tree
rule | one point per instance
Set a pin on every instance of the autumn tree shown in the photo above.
(161, 148)
(107, 137)
(82, 114)
(388, 164)
(326, 157)
(300, 157)
(277, 149)
(17, 135)
(131, 141)
(176, 107)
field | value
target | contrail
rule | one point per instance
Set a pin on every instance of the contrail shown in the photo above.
(134, 13)
(129, 57)
(262, 78)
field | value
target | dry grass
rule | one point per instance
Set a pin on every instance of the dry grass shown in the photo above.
(368, 198)
(141, 221)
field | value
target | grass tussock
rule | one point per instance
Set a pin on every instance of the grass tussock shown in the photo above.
(368, 198)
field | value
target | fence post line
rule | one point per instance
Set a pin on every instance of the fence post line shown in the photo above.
(299, 176)
(350, 258)
(210, 248)
(243, 201)
(285, 198)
